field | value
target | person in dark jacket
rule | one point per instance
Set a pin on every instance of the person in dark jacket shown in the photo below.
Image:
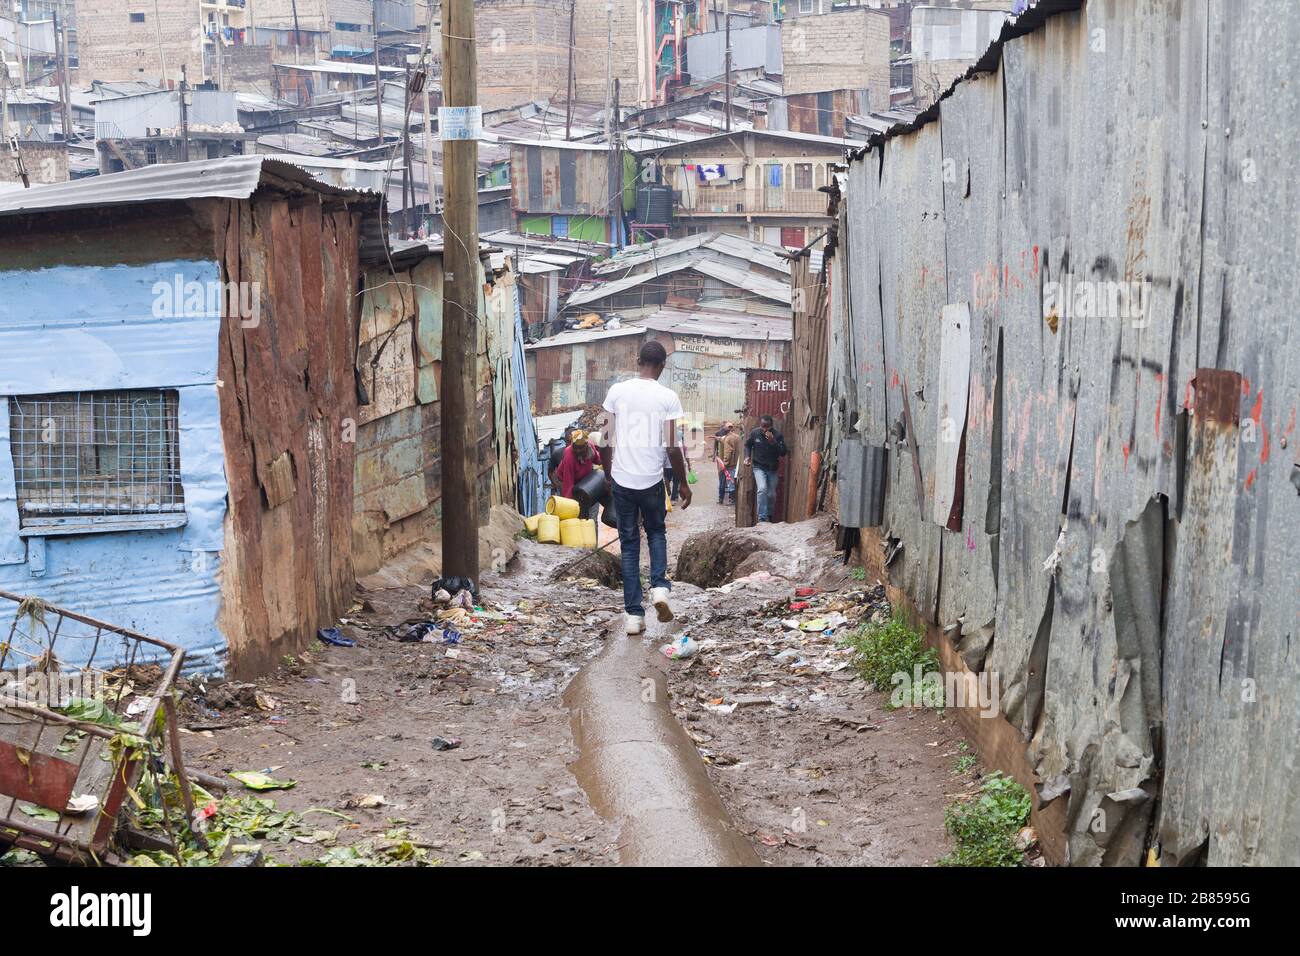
(763, 450)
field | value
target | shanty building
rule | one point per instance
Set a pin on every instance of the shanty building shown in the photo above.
(571, 190)
(764, 185)
(547, 270)
(687, 272)
(177, 399)
(708, 352)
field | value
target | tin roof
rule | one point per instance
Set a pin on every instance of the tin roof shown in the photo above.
(340, 68)
(774, 289)
(734, 246)
(235, 177)
(714, 325)
(576, 336)
(805, 138)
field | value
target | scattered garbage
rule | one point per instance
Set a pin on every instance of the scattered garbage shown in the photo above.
(453, 586)
(333, 636)
(77, 805)
(779, 655)
(256, 780)
(446, 743)
(417, 631)
(680, 650)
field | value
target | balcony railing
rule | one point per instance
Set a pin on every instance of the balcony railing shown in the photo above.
(708, 201)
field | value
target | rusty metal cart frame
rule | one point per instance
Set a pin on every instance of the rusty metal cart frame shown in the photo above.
(41, 776)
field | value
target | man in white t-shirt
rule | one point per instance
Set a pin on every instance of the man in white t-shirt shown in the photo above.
(643, 415)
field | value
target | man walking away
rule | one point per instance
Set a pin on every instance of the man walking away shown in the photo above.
(643, 414)
(763, 450)
(728, 454)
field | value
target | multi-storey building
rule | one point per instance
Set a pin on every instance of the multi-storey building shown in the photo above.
(139, 39)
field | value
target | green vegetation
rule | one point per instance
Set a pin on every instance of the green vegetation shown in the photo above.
(883, 650)
(984, 829)
(858, 574)
(966, 759)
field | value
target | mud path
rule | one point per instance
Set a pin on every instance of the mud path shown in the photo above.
(504, 796)
(762, 749)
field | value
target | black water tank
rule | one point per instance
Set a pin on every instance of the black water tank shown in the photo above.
(654, 203)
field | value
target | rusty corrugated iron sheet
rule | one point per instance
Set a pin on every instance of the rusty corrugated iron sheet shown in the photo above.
(767, 392)
(233, 177)
(811, 302)
(288, 390)
(1126, 558)
(398, 475)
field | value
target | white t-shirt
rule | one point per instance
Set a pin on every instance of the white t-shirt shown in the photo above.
(641, 408)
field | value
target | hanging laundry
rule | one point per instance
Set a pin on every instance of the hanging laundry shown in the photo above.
(709, 172)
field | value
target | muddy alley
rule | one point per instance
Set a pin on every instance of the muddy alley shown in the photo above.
(535, 732)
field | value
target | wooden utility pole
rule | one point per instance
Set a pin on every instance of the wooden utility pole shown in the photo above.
(609, 66)
(726, 12)
(408, 175)
(162, 54)
(616, 172)
(185, 117)
(297, 34)
(6, 141)
(4, 97)
(568, 95)
(460, 298)
(379, 78)
(65, 99)
(430, 200)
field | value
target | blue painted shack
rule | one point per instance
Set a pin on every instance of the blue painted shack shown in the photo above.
(178, 402)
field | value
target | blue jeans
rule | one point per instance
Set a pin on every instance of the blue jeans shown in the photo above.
(648, 505)
(766, 482)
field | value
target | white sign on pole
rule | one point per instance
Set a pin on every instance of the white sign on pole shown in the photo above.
(460, 122)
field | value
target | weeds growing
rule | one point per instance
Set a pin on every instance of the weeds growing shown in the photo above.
(984, 829)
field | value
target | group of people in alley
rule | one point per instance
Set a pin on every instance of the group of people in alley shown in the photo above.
(648, 468)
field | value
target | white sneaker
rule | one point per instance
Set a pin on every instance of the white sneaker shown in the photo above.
(635, 623)
(659, 597)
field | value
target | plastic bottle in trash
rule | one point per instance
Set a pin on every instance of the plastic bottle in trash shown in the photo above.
(681, 649)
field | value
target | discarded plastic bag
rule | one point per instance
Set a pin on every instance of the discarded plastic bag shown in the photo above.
(332, 635)
(254, 780)
(454, 585)
(680, 650)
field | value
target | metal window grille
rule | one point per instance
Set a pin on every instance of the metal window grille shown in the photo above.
(96, 453)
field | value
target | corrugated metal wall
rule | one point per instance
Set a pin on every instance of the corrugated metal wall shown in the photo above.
(712, 386)
(767, 392)
(569, 182)
(1127, 555)
(398, 478)
(807, 417)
